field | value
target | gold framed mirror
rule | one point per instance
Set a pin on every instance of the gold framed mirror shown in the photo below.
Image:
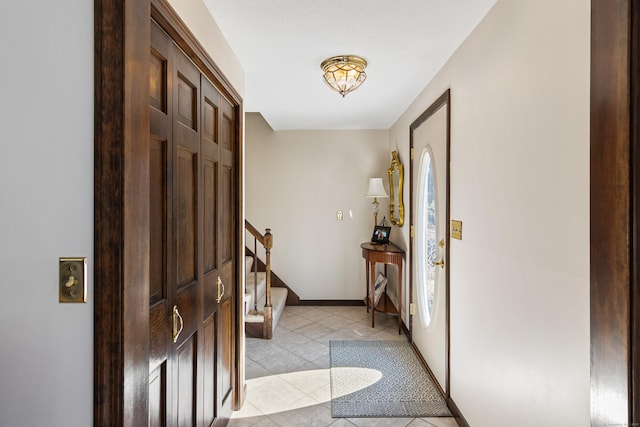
(396, 177)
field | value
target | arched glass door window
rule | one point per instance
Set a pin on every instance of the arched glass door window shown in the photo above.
(426, 238)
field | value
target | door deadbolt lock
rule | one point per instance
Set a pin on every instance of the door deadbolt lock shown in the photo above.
(72, 280)
(440, 263)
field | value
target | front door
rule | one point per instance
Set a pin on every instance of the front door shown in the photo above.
(429, 278)
(192, 252)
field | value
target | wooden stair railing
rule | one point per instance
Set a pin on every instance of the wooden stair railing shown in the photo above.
(267, 242)
(265, 302)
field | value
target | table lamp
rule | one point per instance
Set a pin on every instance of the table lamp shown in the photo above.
(376, 189)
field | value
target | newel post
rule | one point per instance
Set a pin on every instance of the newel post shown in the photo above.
(268, 313)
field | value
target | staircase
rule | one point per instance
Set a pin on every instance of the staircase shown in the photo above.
(264, 297)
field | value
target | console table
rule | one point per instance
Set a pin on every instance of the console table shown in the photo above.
(385, 254)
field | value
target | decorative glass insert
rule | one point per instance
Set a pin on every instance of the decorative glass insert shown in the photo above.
(426, 238)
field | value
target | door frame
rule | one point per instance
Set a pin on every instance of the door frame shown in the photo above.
(121, 208)
(444, 99)
(615, 212)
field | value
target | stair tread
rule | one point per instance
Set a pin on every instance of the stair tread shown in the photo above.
(249, 289)
(251, 277)
(278, 302)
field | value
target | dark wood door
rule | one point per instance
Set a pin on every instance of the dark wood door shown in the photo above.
(192, 252)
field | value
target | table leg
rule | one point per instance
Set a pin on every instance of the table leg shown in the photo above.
(366, 262)
(400, 298)
(372, 292)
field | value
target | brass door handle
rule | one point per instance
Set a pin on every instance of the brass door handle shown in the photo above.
(220, 294)
(440, 263)
(177, 319)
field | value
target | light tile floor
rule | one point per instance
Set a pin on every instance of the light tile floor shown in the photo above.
(288, 376)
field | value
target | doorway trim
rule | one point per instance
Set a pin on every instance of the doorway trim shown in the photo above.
(615, 202)
(121, 207)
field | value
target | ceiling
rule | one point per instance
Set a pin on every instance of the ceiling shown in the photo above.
(281, 43)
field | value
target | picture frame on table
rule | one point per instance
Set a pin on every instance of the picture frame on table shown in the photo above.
(381, 235)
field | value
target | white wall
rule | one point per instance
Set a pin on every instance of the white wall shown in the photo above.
(46, 194)
(520, 184)
(197, 17)
(295, 183)
(46, 208)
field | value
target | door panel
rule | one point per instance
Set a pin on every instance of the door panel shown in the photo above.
(186, 186)
(187, 95)
(186, 379)
(158, 72)
(158, 221)
(226, 214)
(430, 261)
(209, 370)
(157, 393)
(210, 170)
(158, 302)
(227, 133)
(225, 356)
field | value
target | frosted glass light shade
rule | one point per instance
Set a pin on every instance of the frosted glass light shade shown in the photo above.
(344, 73)
(376, 188)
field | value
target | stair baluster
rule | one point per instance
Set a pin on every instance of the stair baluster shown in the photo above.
(255, 276)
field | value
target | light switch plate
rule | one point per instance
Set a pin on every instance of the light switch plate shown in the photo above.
(73, 280)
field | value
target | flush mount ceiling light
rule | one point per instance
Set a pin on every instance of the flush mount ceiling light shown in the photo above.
(344, 73)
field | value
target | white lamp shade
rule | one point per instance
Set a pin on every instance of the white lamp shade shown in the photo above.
(376, 188)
